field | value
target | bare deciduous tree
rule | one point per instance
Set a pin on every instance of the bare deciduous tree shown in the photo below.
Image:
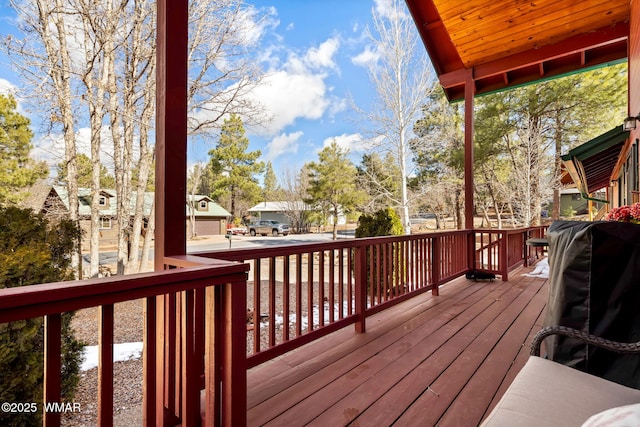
(46, 66)
(295, 189)
(93, 62)
(402, 79)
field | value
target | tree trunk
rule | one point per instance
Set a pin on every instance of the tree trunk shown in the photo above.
(148, 238)
(60, 66)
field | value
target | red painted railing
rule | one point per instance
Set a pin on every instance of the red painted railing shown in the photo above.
(499, 251)
(205, 324)
(323, 287)
(202, 344)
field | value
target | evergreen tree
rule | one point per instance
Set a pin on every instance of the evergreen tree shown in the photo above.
(235, 168)
(33, 251)
(17, 170)
(84, 173)
(439, 157)
(271, 189)
(332, 184)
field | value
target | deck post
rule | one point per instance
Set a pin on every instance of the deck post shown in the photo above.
(469, 93)
(435, 265)
(234, 364)
(504, 256)
(170, 193)
(361, 288)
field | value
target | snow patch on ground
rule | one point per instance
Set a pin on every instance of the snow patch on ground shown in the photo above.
(121, 352)
(541, 271)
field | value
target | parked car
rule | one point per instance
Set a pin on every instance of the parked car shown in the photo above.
(237, 230)
(265, 227)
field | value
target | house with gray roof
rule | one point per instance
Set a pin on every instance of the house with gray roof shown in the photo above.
(210, 218)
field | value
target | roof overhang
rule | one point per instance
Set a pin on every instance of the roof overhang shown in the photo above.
(592, 165)
(508, 44)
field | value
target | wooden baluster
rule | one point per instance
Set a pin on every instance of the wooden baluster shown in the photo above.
(213, 356)
(285, 298)
(435, 265)
(105, 366)
(361, 288)
(309, 291)
(190, 408)
(272, 301)
(332, 272)
(257, 291)
(149, 364)
(321, 288)
(298, 295)
(341, 284)
(52, 366)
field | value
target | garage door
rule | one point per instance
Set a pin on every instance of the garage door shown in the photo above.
(207, 227)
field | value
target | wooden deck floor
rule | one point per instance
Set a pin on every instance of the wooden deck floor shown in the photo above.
(430, 361)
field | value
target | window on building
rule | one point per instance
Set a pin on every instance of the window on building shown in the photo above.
(203, 204)
(105, 223)
(102, 201)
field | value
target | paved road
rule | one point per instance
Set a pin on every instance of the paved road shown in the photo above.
(213, 243)
(219, 242)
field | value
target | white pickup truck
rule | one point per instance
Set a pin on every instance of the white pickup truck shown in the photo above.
(266, 227)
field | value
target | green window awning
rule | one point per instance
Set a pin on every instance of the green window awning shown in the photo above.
(591, 164)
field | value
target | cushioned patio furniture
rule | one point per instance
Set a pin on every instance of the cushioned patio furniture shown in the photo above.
(549, 393)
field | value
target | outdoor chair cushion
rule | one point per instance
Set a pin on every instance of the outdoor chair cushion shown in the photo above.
(548, 393)
(628, 415)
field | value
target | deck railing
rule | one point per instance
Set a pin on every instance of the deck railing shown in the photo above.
(297, 294)
(499, 251)
(206, 324)
(202, 352)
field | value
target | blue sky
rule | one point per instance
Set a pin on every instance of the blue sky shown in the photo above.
(316, 54)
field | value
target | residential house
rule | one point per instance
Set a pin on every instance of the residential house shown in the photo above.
(210, 218)
(56, 205)
(298, 214)
(574, 202)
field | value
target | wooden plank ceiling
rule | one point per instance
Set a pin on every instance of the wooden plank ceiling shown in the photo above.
(513, 42)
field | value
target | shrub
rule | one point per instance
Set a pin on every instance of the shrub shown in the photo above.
(384, 222)
(33, 251)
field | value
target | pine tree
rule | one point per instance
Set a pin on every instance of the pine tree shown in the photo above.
(271, 189)
(17, 170)
(33, 251)
(84, 173)
(236, 168)
(332, 184)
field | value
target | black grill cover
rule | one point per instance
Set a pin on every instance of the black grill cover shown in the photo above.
(594, 286)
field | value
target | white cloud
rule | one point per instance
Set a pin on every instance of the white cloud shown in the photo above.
(288, 96)
(388, 8)
(353, 142)
(366, 58)
(296, 89)
(254, 24)
(322, 56)
(283, 143)
(7, 88)
(51, 148)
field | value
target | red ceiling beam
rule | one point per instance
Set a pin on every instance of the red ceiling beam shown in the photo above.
(581, 44)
